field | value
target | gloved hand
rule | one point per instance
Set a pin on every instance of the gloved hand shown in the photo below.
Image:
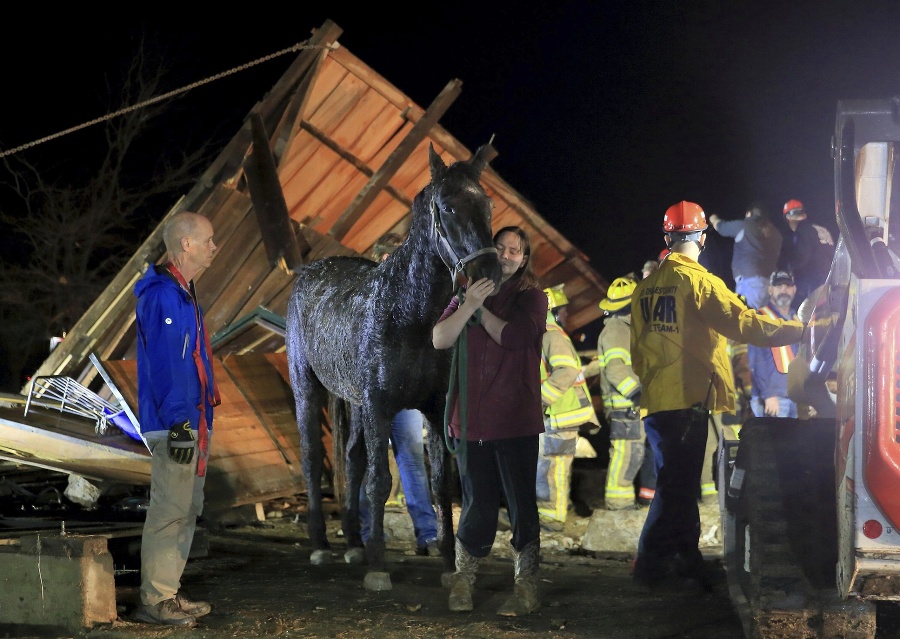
(181, 443)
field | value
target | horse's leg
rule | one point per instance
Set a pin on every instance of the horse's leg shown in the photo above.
(441, 484)
(378, 487)
(310, 397)
(356, 471)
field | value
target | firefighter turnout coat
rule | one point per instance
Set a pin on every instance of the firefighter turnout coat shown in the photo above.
(681, 317)
(618, 383)
(564, 391)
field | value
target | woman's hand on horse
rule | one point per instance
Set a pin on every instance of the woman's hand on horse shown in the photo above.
(477, 292)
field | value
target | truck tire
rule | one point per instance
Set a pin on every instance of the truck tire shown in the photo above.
(779, 527)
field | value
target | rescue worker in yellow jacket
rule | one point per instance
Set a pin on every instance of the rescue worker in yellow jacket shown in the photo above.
(681, 317)
(567, 406)
(621, 390)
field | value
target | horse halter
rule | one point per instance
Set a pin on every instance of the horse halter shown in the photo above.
(455, 264)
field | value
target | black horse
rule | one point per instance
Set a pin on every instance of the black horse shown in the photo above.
(361, 332)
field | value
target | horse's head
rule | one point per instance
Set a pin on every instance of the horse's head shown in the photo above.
(461, 218)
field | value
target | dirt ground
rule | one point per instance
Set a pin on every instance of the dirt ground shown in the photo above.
(261, 584)
(259, 579)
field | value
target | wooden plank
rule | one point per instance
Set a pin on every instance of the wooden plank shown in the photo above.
(385, 126)
(315, 173)
(283, 133)
(216, 279)
(357, 163)
(396, 159)
(332, 197)
(371, 227)
(339, 105)
(240, 286)
(279, 98)
(282, 246)
(329, 75)
(275, 282)
(267, 393)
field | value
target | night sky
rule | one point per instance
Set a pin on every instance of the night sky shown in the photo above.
(605, 113)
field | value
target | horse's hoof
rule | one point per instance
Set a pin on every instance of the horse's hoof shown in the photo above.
(377, 581)
(320, 557)
(355, 556)
(447, 579)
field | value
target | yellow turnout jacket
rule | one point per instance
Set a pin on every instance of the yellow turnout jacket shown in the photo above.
(680, 318)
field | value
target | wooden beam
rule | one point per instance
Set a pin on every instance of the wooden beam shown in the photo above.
(395, 160)
(283, 246)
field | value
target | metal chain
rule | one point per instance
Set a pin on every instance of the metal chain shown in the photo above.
(297, 47)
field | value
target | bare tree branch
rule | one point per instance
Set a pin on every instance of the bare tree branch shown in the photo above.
(74, 237)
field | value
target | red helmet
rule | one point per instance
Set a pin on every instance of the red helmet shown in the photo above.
(684, 217)
(794, 208)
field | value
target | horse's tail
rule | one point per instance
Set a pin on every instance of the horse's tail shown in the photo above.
(340, 434)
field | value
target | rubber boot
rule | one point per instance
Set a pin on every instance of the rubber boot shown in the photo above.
(463, 580)
(524, 599)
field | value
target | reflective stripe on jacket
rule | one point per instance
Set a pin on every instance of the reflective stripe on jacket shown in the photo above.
(564, 390)
(618, 382)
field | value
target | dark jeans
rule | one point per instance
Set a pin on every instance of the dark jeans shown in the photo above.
(672, 527)
(501, 468)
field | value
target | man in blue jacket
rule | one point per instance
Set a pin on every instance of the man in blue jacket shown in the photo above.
(769, 366)
(176, 395)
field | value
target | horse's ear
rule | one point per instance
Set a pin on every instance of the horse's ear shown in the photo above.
(438, 168)
(480, 159)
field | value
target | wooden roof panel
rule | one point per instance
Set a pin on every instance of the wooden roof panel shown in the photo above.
(339, 105)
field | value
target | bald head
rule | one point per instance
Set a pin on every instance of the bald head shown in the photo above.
(188, 239)
(179, 226)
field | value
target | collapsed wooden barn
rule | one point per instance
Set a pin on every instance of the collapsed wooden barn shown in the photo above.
(326, 162)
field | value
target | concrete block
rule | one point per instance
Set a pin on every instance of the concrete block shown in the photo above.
(57, 582)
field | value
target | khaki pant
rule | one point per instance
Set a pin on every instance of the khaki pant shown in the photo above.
(176, 500)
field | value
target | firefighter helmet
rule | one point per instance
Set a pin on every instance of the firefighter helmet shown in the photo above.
(555, 297)
(684, 217)
(794, 210)
(618, 295)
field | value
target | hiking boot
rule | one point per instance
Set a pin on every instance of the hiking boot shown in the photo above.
(193, 608)
(165, 613)
(462, 582)
(525, 598)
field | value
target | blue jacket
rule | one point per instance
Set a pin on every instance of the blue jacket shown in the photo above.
(169, 385)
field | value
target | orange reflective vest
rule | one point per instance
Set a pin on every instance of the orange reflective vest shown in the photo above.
(783, 355)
